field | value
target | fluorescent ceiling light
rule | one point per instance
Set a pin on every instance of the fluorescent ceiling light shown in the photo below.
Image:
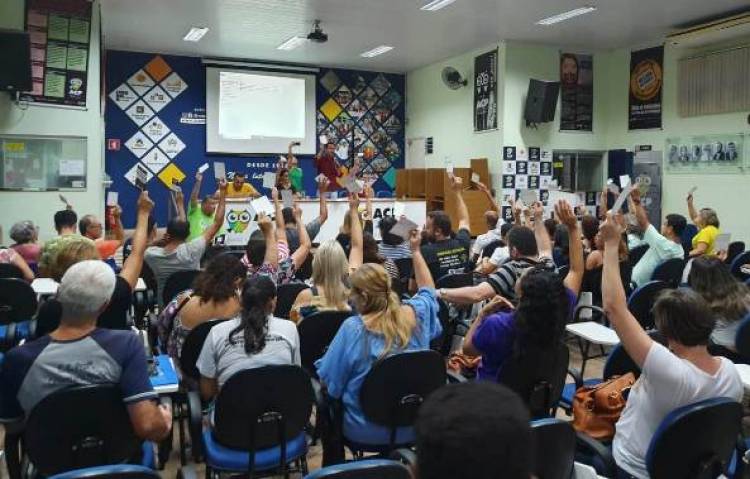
(292, 43)
(376, 51)
(436, 5)
(195, 34)
(566, 16)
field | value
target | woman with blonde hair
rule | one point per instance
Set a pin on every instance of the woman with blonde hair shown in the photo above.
(330, 275)
(384, 326)
(707, 222)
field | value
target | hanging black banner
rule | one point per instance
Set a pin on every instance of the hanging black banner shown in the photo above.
(485, 91)
(576, 92)
(646, 80)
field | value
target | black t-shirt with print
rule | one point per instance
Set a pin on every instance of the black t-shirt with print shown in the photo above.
(448, 256)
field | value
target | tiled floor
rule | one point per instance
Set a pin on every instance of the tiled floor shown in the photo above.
(593, 369)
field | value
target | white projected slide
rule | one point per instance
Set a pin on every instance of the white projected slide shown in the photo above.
(259, 112)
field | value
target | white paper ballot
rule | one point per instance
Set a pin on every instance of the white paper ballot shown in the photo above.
(262, 205)
(287, 197)
(624, 181)
(220, 170)
(323, 140)
(320, 178)
(693, 190)
(722, 242)
(403, 228)
(475, 177)
(112, 198)
(269, 179)
(528, 197)
(621, 199)
(354, 185)
(555, 196)
(202, 168)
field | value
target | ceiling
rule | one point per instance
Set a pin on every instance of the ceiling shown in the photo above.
(252, 29)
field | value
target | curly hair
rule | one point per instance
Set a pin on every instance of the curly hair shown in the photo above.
(542, 310)
(218, 282)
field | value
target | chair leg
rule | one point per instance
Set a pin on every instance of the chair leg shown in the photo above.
(584, 356)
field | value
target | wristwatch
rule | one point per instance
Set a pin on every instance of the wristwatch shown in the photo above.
(441, 292)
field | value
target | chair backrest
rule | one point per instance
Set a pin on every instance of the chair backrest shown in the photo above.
(8, 270)
(735, 248)
(642, 300)
(94, 430)
(686, 238)
(491, 247)
(619, 362)
(192, 347)
(563, 270)
(315, 335)
(262, 407)
(286, 294)
(365, 469)
(177, 283)
(742, 338)
(17, 301)
(396, 387)
(696, 440)
(670, 272)
(554, 448)
(538, 377)
(737, 263)
(118, 471)
(637, 253)
(457, 280)
(405, 266)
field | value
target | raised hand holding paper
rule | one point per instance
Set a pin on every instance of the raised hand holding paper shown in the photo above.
(320, 178)
(475, 177)
(64, 200)
(621, 199)
(449, 167)
(112, 198)
(287, 197)
(269, 179)
(140, 177)
(323, 140)
(528, 197)
(203, 168)
(403, 228)
(220, 170)
(692, 190)
(262, 205)
(624, 181)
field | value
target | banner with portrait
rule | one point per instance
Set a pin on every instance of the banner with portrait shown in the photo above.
(646, 80)
(576, 92)
(485, 91)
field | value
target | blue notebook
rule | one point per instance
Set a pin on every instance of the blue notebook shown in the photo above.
(165, 372)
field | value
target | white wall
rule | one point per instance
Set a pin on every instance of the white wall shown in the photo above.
(36, 120)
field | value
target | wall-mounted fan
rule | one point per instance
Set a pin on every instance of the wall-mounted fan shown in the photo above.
(453, 79)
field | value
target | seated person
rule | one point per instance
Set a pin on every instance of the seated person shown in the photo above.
(215, 295)
(545, 305)
(65, 225)
(384, 326)
(728, 298)
(91, 228)
(446, 254)
(526, 251)
(295, 172)
(75, 249)
(252, 340)
(499, 256)
(391, 246)
(26, 237)
(239, 188)
(10, 256)
(680, 374)
(175, 253)
(662, 247)
(474, 430)
(371, 255)
(78, 353)
(313, 227)
(492, 219)
(330, 273)
(707, 222)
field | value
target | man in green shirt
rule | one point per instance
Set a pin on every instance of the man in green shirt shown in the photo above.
(295, 172)
(200, 216)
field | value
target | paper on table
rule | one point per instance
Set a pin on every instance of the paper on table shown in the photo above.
(621, 199)
(287, 197)
(220, 170)
(624, 181)
(112, 198)
(722, 242)
(202, 168)
(269, 179)
(555, 196)
(262, 205)
(403, 228)
(528, 197)
(475, 177)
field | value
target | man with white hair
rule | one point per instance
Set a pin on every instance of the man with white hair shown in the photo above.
(92, 228)
(78, 353)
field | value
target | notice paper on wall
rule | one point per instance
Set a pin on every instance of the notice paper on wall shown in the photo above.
(112, 198)
(72, 167)
(220, 170)
(269, 179)
(722, 242)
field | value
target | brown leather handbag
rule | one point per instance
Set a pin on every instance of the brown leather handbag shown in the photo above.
(596, 409)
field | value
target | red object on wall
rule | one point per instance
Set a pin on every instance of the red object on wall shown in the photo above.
(113, 144)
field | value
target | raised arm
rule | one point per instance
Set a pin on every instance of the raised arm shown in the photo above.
(691, 209)
(422, 275)
(483, 188)
(516, 214)
(211, 231)
(196, 190)
(565, 214)
(179, 199)
(635, 340)
(543, 242)
(117, 230)
(322, 188)
(357, 242)
(461, 209)
(369, 193)
(497, 304)
(300, 254)
(640, 212)
(272, 248)
(603, 204)
(280, 225)
(131, 269)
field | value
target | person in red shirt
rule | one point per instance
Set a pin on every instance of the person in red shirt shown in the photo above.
(327, 166)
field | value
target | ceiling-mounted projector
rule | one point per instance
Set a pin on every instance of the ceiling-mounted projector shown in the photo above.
(317, 35)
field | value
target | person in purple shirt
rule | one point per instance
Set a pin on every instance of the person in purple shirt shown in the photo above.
(545, 304)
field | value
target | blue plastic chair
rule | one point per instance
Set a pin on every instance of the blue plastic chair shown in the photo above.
(642, 300)
(18, 304)
(686, 238)
(365, 469)
(555, 446)
(670, 271)
(119, 471)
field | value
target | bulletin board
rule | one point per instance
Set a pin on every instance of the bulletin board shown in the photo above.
(42, 163)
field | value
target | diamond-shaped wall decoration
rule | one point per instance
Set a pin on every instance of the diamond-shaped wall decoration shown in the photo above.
(330, 109)
(139, 144)
(139, 112)
(359, 84)
(390, 177)
(170, 173)
(380, 84)
(330, 81)
(155, 160)
(131, 174)
(381, 113)
(356, 109)
(391, 99)
(157, 68)
(174, 85)
(156, 129)
(172, 145)
(140, 82)
(359, 136)
(157, 98)
(380, 164)
(368, 97)
(368, 123)
(393, 125)
(123, 96)
(322, 122)
(343, 96)
(343, 124)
